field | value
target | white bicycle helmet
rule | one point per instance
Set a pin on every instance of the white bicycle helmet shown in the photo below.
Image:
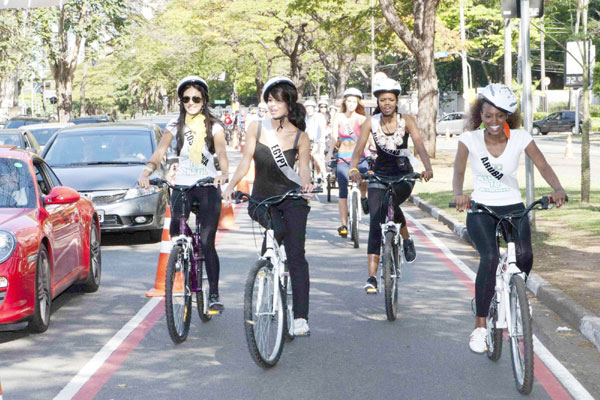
(310, 103)
(323, 102)
(353, 92)
(275, 81)
(386, 85)
(501, 97)
(191, 79)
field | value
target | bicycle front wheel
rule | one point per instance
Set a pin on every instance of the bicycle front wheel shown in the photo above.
(354, 221)
(264, 315)
(521, 341)
(390, 277)
(178, 297)
(494, 335)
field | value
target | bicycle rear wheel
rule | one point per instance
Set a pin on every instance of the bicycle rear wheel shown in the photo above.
(178, 297)
(202, 297)
(264, 316)
(354, 221)
(494, 335)
(390, 279)
(521, 341)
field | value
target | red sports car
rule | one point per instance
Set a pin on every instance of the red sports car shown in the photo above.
(49, 240)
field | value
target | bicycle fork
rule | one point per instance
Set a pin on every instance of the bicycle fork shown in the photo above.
(506, 269)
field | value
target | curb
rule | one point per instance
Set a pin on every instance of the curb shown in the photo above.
(574, 314)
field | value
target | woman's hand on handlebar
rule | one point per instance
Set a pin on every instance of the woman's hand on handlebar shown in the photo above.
(308, 188)
(227, 195)
(427, 175)
(559, 197)
(221, 180)
(355, 175)
(462, 202)
(143, 180)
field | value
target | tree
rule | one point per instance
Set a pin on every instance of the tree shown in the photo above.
(420, 43)
(66, 30)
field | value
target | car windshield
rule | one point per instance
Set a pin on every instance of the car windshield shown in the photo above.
(43, 134)
(16, 184)
(16, 123)
(98, 147)
(10, 139)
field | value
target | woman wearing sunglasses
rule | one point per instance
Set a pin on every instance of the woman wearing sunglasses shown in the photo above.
(200, 138)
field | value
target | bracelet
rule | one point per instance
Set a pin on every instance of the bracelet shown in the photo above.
(148, 168)
(151, 166)
(353, 169)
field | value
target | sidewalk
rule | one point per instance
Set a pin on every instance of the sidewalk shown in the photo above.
(574, 314)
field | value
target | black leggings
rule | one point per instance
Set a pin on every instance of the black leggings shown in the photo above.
(378, 215)
(209, 204)
(482, 231)
(289, 226)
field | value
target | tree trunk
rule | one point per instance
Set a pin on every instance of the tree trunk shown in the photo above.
(82, 112)
(427, 87)
(63, 77)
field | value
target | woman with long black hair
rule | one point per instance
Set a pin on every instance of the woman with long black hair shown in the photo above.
(200, 137)
(285, 130)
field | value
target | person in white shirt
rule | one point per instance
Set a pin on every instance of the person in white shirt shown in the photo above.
(494, 154)
(200, 137)
(316, 128)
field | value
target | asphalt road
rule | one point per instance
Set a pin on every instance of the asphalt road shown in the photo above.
(353, 351)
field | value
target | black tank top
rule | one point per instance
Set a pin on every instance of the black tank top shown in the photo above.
(388, 164)
(268, 178)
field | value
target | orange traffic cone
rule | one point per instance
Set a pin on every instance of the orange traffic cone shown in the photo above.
(243, 186)
(0, 391)
(250, 174)
(569, 147)
(163, 258)
(227, 219)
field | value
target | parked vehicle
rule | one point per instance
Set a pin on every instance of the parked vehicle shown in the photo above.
(49, 240)
(452, 123)
(16, 122)
(559, 121)
(91, 119)
(21, 138)
(103, 162)
(43, 132)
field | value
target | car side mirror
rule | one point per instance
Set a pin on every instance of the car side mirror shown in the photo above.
(61, 195)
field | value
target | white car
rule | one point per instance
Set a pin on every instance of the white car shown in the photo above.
(453, 123)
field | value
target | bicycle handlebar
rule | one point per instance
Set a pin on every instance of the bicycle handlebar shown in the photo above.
(294, 193)
(386, 180)
(200, 182)
(544, 203)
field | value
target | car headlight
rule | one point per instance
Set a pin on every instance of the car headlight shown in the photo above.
(137, 191)
(8, 244)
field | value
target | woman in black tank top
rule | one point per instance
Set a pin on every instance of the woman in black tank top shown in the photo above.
(390, 132)
(289, 216)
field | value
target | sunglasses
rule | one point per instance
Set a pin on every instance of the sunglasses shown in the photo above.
(195, 99)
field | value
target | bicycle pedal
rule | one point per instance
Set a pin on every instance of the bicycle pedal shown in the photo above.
(307, 334)
(214, 312)
(372, 291)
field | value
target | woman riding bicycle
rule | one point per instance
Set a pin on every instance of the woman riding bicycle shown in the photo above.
(274, 175)
(200, 136)
(390, 131)
(494, 153)
(346, 129)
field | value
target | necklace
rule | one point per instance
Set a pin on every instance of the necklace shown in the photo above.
(385, 125)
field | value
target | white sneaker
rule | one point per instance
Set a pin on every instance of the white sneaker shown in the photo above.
(301, 327)
(477, 341)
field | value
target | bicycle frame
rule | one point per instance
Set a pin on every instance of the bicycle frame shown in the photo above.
(354, 191)
(276, 255)
(507, 267)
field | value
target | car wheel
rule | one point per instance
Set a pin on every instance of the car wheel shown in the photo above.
(43, 294)
(574, 131)
(92, 283)
(535, 130)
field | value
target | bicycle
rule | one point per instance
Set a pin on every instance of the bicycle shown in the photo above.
(268, 304)
(509, 308)
(184, 270)
(392, 260)
(354, 212)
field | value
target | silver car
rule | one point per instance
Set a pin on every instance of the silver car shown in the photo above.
(103, 162)
(452, 123)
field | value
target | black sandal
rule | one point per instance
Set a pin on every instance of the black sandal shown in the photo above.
(343, 231)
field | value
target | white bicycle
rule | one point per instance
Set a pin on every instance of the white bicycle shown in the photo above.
(509, 308)
(268, 302)
(354, 212)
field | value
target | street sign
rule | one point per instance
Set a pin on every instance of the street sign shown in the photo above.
(512, 8)
(574, 63)
(219, 102)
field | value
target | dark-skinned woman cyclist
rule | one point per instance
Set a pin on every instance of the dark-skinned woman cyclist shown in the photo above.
(200, 137)
(285, 130)
(390, 131)
(496, 147)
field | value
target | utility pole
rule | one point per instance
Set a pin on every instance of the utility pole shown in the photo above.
(507, 52)
(527, 102)
(463, 53)
(543, 68)
(372, 46)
